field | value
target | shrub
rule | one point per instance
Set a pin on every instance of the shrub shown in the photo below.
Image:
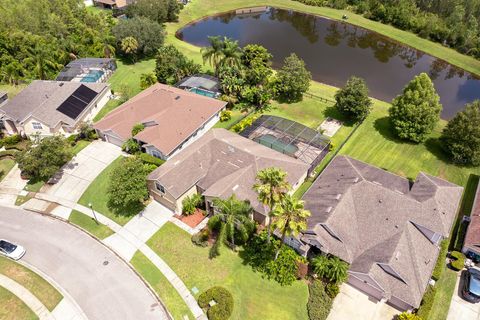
(72, 139)
(440, 266)
(188, 206)
(427, 303)
(214, 224)
(149, 159)
(245, 123)
(331, 268)
(459, 262)
(332, 289)
(223, 308)
(319, 303)
(201, 238)
(10, 140)
(225, 115)
(131, 146)
(139, 127)
(407, 316)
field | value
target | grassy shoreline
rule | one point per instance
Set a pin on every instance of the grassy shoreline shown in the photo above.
(197, 9)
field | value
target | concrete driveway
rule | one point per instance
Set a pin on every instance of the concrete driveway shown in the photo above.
(102, 284)
(77, 175)
(461, 309)
(351, 303)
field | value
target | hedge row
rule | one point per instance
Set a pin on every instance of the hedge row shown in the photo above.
(319, 302)
(149, 159)
(427, 303)
(440, 266)
(223, 308)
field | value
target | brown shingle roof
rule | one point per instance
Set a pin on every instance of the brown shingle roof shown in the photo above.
(222, 163)
(472, 237)
(366, 216)
(176, 113)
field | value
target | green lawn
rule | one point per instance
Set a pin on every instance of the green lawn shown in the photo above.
(167, 293)
(11, 90)
(34, 186)
(128, 75)
(79, 146)
(38, 286)
(85, 222)
(201, 8)
(12, 308)
(5, 166)
(112, 104)
(96, 194)
(445, 288)
(236, 116)
(255, 297)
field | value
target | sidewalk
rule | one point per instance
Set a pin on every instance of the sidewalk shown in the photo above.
(12, 186)
(27, 297)
(130, 238)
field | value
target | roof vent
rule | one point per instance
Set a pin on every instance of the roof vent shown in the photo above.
(235, 187)
(338, 196)
(380, 200)
(396, 226)
(61, 84)
(328, 209)
(355, 180)
(177, 97)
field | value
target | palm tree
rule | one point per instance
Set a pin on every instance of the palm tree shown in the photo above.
(232, 215)
(332, 268)
(129, 45)
(12, 73)
(39, 58)
(231, 54)
(108, 50)
(213, 53)
(290, 218)
(271, 186)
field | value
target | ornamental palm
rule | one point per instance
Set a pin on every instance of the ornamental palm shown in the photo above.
(334, 269)
(129, 45)
(233, 215)
(213, 53)
(290, 218)
(231, 53)
(271, 186)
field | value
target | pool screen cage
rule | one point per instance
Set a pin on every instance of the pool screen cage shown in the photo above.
(289, 137)
(83, 65)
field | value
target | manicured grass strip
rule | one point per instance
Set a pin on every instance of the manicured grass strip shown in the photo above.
(237, 115)
(85, 222)
(254, 296)
(34, 186)
(34, 283)
(5, 166)
(96, 194)
(12, 308)
(128, 75)
(174, 303)
(202, 8)
(444, 289)
(79, 146)
(111, 105)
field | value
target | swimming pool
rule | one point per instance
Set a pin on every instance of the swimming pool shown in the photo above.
(272, 142)
(202, 92)
(93, 76)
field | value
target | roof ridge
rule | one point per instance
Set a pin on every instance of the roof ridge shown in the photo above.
(355, 168)
(412, 248)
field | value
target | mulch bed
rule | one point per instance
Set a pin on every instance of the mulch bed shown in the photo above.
(192, 220)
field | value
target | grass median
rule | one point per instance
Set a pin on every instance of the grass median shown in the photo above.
(12, 308)
(85, 222)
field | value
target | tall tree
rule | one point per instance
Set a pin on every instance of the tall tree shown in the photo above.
(415, 113)
(290, 218)
(271, 186)
(231, 53)
(42, 64)
(172, 65)
(352, 100)
(149, 34)
(129, 46)
(293, 79)
(461, 137)
(156, 10)
(213, 52)
(233, 216)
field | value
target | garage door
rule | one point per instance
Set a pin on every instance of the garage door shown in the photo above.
(365, 287)
(113, 140)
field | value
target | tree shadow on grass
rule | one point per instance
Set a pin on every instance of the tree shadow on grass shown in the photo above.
(384, 127)
(332, 112)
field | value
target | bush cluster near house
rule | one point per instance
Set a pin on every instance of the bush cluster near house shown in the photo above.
(450, 22)
(225, 115)
(319, 302)
(244, 123)
(222, 307)
(458, 262)
(191, 203)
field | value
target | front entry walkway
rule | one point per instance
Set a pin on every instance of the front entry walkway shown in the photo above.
(76, 176)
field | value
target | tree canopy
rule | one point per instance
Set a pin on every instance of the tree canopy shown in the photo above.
(172, 65)
(293, 79)
(352, 100)
(38, 37)
(156, 10)
(43, 160)
(415, 113)
(461, 137)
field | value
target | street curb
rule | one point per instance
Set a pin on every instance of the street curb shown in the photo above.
(130, 266)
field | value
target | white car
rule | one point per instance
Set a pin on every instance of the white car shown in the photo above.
(11, 250)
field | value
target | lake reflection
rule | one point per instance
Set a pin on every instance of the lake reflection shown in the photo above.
(333, 51)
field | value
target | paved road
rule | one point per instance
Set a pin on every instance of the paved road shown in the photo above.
(76, 262)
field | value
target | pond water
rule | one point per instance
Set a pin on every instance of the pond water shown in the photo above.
(334, 51)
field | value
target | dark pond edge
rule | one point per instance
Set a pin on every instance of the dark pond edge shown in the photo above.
(192, 22)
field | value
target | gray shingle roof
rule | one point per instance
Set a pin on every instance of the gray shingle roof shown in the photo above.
(41, 100)
(222, 163)
(366, 215)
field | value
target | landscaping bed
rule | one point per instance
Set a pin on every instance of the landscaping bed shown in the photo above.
(192, 220)
(34, 283)
(254, 297)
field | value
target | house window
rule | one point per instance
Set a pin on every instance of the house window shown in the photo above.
(159, 187)
(37, 125)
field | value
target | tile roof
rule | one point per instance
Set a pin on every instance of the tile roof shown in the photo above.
(370, 217)
(472, 237)
(176, 113)
(222, 163)
(41, 100)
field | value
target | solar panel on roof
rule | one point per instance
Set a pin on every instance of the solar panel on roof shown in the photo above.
(77, 102)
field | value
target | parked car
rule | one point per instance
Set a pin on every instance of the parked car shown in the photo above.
(11, 250)
(471, 285)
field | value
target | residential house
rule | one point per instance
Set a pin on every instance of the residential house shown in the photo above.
(387, 228)
(217, 165)
(173, 119)
(471, 244)
(112, 4)
(50, 107)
